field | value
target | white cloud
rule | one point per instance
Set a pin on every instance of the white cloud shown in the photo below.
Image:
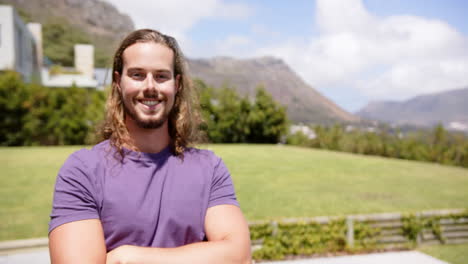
(177, 17)
(413, 78)
(342, 16)
(383, 58)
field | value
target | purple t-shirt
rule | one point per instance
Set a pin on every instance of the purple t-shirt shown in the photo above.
(150, 199)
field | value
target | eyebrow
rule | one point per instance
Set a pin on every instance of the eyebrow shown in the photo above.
(142, 69)
(137, 69)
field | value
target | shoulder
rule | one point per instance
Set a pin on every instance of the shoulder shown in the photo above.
(207, 161)
(85, 159)
(201, 155)
(199, 160)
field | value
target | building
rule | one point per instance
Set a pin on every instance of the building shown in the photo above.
(103, 77)
(305, 130)
(21, 51)
(82, 75)
(20, 45)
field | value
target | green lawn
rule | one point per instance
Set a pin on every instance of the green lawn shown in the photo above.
(281, 181)
(27, 177)
(271, 182)
(454, 254)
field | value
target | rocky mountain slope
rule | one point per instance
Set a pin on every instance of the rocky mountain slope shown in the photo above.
(449, 108)
(304, 103)
(95, 16)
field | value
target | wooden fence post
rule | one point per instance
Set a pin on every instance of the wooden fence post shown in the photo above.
(350, 231)
(419, 220)
(274, 226)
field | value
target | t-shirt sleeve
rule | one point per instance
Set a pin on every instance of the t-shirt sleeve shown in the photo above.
(222, 188)
(74, 194)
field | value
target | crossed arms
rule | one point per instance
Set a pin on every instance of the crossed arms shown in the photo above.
(225, 227)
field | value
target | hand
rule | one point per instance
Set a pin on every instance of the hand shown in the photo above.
(122, 255)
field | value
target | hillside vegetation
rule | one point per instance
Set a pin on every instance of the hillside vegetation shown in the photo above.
(436, 145)
(271, 181)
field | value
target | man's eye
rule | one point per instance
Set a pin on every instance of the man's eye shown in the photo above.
(162, 77)
(137, 75)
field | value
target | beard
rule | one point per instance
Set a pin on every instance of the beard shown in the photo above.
(146, 124)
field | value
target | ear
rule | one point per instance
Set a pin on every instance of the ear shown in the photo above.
(117, 78)
(177, 83)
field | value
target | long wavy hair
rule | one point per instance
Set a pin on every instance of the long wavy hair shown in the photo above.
(184, 118)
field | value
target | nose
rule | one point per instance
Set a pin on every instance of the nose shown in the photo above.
(150, 83)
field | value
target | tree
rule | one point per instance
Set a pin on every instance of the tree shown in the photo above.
(267, 119)
(13, 108)
(438, 144)
(230, 118)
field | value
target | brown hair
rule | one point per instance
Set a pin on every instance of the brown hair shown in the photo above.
(184, 118)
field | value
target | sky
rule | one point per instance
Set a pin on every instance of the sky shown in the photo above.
(351, 51)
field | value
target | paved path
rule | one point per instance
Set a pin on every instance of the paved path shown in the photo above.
(407, 257)
(31, 256)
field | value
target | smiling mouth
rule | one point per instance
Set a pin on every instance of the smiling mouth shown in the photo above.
(149, 102)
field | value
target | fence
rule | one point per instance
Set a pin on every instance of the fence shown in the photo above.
(358, 232)
(306, 236)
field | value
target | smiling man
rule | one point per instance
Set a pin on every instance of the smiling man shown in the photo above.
(143, 195)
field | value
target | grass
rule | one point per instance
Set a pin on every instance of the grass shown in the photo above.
(282, 181)
(27, 176)
(271, 182)
(454, 254)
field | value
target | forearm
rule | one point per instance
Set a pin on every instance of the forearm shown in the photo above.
(228, 243)
(215, 252)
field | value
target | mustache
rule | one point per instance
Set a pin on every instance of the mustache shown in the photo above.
(153, 95)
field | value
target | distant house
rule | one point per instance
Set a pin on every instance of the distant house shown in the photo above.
(306, 130)
(21, 51)
(82, 75)
(19, 45)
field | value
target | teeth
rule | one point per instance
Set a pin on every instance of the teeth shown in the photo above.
(150, 103)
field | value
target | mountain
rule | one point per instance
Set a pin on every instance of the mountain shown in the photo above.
(449, 108)
(95, 16)
(304, 104)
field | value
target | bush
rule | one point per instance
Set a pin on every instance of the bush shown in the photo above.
(13, 108)
(35, 115)
(302, 239)
(437, 145)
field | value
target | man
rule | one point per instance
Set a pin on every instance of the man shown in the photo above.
(142, 195)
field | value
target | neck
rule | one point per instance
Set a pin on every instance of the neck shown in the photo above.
(148, 140)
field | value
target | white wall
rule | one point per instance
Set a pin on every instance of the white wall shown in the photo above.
(26, 58)
(84, 59)
(7, 51)
(67, 80)
(17, 47)
(36, 32)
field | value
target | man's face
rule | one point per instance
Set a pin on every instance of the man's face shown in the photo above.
(147, 84)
